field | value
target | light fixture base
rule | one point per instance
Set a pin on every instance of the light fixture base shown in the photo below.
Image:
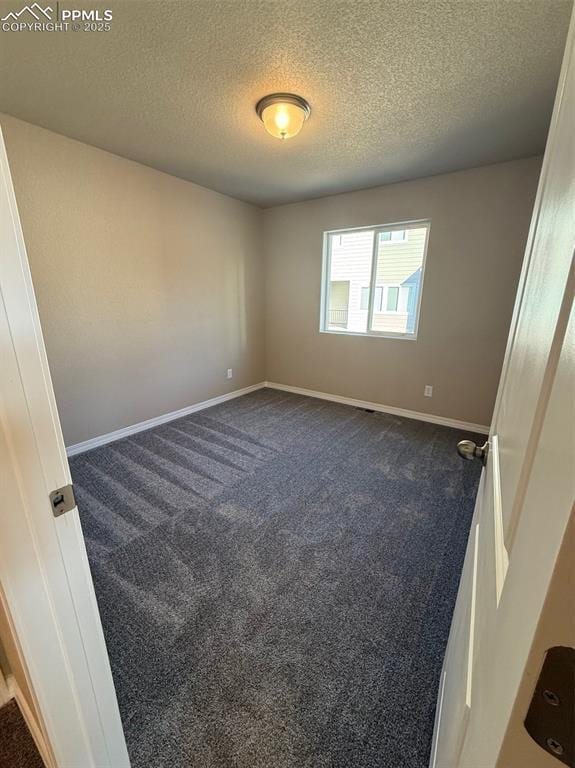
(286, 98)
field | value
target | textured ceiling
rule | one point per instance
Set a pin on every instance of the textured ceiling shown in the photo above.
(398, 89)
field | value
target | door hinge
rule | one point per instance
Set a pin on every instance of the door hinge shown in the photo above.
(62, 500)
(550, 720)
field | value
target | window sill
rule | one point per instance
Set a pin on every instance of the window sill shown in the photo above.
(390, 312)
(372, 334)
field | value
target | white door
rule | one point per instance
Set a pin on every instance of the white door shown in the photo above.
(45, 583)
(526, 491)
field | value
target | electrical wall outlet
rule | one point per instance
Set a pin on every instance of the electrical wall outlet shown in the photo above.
(428, 390)
(230, 373)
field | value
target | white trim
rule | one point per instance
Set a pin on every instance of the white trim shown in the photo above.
(429, 417)
(372, 282)
(472, 627)
(5, 694)
(374, 334)
(500, 552)
(31, 723)
(13, 691)
(438, 713)
(118, 434)
(141, 426)
(411, 224)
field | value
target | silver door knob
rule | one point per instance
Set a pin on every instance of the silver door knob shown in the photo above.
(469, 450)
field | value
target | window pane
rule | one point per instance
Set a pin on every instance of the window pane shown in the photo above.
(393, 236)
(398, 278)
(350, 257)
(396, 269)
(392, 297)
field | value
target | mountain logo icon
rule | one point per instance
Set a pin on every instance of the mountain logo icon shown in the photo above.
(35, 10)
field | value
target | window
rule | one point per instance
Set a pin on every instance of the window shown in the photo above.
(393, 236)
(378, 300)
(372, 280)
(392, 298)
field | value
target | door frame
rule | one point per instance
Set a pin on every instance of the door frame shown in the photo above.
(46, 582)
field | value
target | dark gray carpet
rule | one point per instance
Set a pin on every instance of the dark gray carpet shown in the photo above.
(276, 578)
(17, 747)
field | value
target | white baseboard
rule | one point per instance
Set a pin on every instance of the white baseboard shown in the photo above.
(141, 426)
(430, 417)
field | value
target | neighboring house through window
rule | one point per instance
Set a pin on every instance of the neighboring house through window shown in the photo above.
(393, 236)
(392, 298)
(372, 279)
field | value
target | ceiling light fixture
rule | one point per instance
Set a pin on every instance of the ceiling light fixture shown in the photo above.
(283, 114)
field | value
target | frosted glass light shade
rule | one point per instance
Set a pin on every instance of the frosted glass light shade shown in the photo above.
(283, 114)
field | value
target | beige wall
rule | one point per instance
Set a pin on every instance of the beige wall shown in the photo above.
(479, 223)
(148, 287)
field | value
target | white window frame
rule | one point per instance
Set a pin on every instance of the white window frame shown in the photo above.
(326, 271)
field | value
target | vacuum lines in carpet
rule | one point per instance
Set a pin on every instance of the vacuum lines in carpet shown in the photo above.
(276, 578)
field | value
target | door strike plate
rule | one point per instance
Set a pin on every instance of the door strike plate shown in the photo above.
(62, 500)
